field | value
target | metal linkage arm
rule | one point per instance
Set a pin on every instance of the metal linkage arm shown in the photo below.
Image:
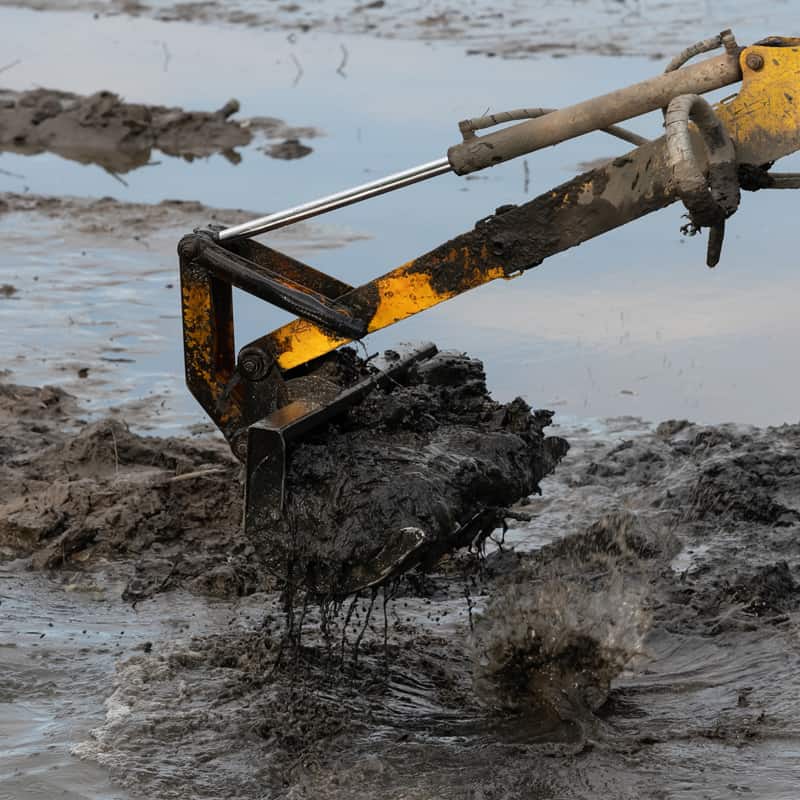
(238, 391)
(762, 121)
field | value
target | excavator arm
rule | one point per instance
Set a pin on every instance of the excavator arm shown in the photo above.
(707, 155)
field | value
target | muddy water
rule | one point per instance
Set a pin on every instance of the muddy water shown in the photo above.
(60, 645)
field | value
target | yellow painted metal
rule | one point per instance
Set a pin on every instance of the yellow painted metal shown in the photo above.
(198, 333)
(400, 294)
(763, 119)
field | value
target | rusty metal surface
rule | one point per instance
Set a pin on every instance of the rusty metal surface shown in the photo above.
(212, 375)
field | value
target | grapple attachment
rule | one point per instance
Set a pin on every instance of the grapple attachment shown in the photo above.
(248, 396)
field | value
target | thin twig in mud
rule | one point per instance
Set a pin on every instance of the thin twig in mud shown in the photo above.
(116, 452)
(363, 630)
(343, 64)
(325, 629)
(385, 629)
(12, 64)
(502, 540)
(11, 174)
(386, 598)
(526, 176)
(299, 68)
(346, 623)
(278, 658)
(298, 628)
(470, 606)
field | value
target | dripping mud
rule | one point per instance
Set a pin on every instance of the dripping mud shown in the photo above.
(636, 625)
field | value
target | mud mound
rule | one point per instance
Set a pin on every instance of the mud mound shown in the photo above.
(769, 590)
(709, 473)
(744, 489)
(564, 624)
(164, 510)
(103, 129)
(43, 413)
(409, 474)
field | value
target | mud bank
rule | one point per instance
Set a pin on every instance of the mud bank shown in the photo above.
(107, 217)
(103, 129)
(509, 28)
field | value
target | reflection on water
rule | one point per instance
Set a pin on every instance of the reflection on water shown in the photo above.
(632, 323)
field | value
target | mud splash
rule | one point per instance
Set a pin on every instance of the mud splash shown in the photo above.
(564, 624)
(103, 129)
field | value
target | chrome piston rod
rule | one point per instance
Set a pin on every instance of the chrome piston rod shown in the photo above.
(338, 200)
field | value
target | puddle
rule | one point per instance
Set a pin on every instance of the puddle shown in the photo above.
(689, 557)
(97, 306)
(513, 29)
(59, 647)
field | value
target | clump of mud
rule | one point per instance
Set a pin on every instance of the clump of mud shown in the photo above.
(563, 624)
(407, 475)
(419, 469)
(103, 129)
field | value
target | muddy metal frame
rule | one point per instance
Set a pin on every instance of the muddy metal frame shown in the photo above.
(735, 142)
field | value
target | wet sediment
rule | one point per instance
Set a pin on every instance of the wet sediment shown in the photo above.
(659, 629)
(103, 129)
(433, 460)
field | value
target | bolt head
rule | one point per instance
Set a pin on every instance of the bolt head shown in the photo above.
(187, 248)
(254, 364)
(754, 61)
